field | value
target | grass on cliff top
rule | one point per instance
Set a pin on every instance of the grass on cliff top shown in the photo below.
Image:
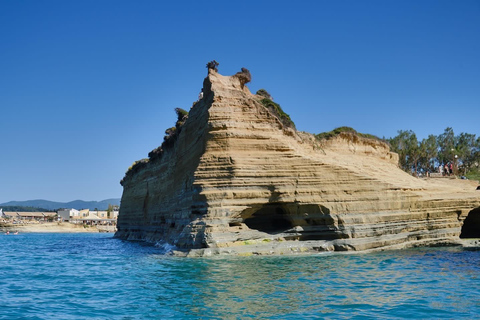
(335, 132)
(134, 168)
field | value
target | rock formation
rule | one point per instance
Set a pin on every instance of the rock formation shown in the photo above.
(236, 180)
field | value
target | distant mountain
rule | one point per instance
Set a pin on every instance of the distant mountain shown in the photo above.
(23, 209)
(77, 204)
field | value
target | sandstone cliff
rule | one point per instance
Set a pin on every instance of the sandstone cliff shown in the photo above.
(238, 181)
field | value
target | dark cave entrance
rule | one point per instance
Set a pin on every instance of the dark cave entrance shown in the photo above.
(270, 218)
(471, 225)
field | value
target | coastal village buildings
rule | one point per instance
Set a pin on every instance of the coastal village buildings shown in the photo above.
(89, 217)
(29, 216)
(74, 216)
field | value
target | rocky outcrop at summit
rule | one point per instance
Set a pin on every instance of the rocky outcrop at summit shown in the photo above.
(237, 180)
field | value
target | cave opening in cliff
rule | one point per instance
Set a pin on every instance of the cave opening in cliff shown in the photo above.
(471, 225)
(270, 218)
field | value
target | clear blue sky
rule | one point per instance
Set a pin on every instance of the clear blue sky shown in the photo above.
(88, 87)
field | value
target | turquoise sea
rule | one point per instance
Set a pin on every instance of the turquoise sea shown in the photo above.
(94, 276)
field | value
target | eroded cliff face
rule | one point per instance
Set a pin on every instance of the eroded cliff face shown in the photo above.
(237, 181)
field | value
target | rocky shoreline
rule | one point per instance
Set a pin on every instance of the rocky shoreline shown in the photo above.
(315, 247)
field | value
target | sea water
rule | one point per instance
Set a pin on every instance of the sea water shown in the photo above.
(94, 276)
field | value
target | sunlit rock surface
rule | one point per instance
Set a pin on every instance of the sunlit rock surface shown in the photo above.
(237, 181)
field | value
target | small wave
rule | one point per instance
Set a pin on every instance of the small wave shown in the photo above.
(165, 247)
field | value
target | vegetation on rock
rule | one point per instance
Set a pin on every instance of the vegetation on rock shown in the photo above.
(155, 153)
(335, 132)
(277, 110)
(213, 65)
(264, 93)
(244, 76)
(134, 168)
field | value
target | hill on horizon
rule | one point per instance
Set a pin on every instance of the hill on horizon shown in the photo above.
(76, 204)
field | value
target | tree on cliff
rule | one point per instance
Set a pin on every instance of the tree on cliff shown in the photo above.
(468, 151)
(406, 145)
(213, 65)
(462, 150)
(446, 143)
(244, 76)
(429, 147)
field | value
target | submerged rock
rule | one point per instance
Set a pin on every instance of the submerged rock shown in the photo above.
(237, 180)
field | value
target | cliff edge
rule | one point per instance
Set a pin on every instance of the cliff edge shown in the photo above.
(236, 179)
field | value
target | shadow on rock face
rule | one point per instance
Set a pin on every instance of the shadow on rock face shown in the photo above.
(291, 220)
(471, 225)
(270, 219)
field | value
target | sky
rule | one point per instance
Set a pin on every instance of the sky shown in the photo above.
(88, 87)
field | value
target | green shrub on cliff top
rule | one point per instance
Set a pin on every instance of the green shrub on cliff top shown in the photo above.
(137, 165)
(277, 110)
(182, 116)
(335, 132)
(264, 93)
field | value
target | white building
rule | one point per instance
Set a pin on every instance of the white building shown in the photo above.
(68, 214)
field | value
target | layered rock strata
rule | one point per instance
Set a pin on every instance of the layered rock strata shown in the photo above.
(238, 181)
